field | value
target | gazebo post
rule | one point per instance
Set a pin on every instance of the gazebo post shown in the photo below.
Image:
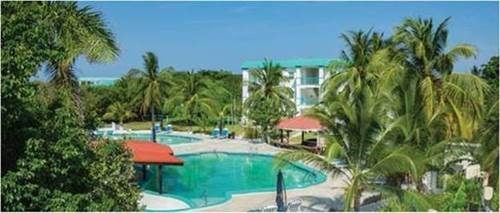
(160, 180)
(318, 143)
(302, 137)
(144, 171)
(288, 136)
(281, 135)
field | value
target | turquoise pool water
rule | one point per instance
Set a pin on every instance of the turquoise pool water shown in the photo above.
(162, 138)
(210, 178)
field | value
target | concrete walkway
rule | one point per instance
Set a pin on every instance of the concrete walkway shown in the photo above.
(156, 202)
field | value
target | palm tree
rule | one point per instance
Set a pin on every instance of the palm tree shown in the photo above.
(488, 154)
(460, 96)
(118, 111)
(79, 32)
(354, 127)
(152, 88)
(429, 105)
(195, 99)
(354, 111)
(269, 100)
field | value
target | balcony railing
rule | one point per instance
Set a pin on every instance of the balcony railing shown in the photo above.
(309, 80)
(309, 101)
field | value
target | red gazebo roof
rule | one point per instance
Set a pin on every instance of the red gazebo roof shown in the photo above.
(147, 152)
(300, 123)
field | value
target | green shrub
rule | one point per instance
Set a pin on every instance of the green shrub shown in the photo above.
(250, 133)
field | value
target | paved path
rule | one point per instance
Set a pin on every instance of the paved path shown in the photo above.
(156, 202)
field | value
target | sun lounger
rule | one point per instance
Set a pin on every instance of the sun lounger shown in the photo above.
(168, 129)
(215, 133)
(294, 206)
(271, 208)
(224, 133)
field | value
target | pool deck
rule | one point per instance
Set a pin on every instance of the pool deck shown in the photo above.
(156, 202)
(326, 196)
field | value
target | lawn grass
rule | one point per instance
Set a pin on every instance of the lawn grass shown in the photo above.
(134, 125)
(238, 129)
(146, 125)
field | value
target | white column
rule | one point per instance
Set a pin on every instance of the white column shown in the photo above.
(298, 79)
(245, 85)
(321, 75)
(244, 94)
(322, 78)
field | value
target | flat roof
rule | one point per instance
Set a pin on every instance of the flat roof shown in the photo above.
(148, 152)
(292, 63)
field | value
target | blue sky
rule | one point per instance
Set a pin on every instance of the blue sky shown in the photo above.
(221, 35)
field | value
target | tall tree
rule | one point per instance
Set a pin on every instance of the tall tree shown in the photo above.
(430, 106)
(489, 72)
(78, 32)
(269, 100)
(36, 33)
(488, 134)
(354, 112)
(423, 46)
(152, 89)
(119, 112)
(195, 99)
(61, 171)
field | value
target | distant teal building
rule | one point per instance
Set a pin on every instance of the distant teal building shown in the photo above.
(98, 81)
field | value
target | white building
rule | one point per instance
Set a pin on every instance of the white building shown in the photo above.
(306, 77)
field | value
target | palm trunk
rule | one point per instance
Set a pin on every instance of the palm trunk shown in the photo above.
(220, 126)
(356, 201)
(78, 103)
(153, 122)
(264, 134)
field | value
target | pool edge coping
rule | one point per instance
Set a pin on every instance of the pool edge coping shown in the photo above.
(234, 193)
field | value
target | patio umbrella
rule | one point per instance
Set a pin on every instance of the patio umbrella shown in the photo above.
(280, 192)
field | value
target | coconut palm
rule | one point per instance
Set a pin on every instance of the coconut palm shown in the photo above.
(152, 88)
(354, 127)
(79, 32)
(423, 48)
(488, 137)
(357, 66)
(429, 106)
(269, 99)
(194, 98)
(354, 112)
(119, 112)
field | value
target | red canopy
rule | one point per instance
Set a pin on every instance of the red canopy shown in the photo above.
(147, 152)
(300, 123)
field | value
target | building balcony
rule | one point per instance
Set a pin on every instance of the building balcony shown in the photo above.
(309, 81)
(308, 101)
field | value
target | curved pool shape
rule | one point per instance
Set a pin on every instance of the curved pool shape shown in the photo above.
(210, 178)
(162, 138)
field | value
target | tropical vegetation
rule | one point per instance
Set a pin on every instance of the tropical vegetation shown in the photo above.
(49, 162)
(399, 94)
(269, 99)
(396, 112)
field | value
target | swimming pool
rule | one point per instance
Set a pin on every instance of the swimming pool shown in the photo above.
(162, 138)
(207, 179)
